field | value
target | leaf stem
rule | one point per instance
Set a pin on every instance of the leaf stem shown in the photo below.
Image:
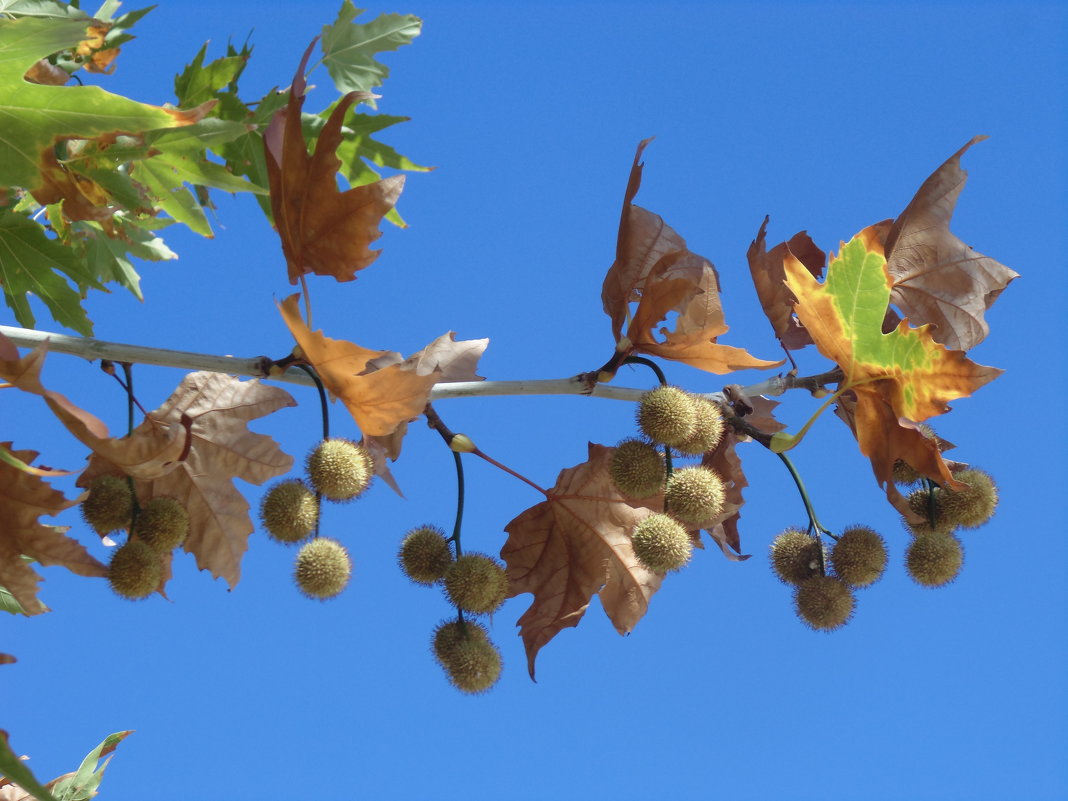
(325, 410)
(814, 523)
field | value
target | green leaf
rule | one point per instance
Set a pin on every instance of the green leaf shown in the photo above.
(349, 47)
(41, 8)
(28, 261)
(34, 117)
(82, 785)
(14, 769)
(197, 83)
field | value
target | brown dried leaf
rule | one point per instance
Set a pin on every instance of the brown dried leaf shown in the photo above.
(323, 230)
(572, 545)
(46, 73)
(937, 278)
(23, 499)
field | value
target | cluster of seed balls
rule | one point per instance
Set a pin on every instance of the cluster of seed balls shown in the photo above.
(475, 584)
(824, 600)
(338, 470)
(155, 529)
(693, 496)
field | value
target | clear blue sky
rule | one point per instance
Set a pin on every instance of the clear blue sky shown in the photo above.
(825, 116)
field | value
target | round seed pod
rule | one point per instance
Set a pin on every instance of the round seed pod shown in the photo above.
(661, 543)
(795, 556)
(470, 659)
(708, 428)
(476, 583)
(289, 511)
(859, 557)
(929, 506)
(974, 506)
(934, 560)
(666, 415)
(425, 555)
(109, 505)
(162, 523)
(323, 568)
(340, 469)
(694, 494)
(637, 468)
(823, 603)
(135, 570)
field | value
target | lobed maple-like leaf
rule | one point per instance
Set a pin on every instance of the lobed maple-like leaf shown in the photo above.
(573, 545)
(380, 400)
(24, 498)
(937, 278)
(215, 409)
(898, 378)
(349, 47)
(323, 230)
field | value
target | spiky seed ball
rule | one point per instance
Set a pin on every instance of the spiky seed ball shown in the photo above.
(323, 568)
(637, 468)
(974, 506)
(468, 656)
(135, 570)
(163, 523)
(109, 505)
(289, 511)
(929, 506)
(425, 555)
(795, 556)
(340, 469)
(934, 560)
(823, 602)
(661, 543)
(476, 583)
(694, 494)
(708, 428)
(859, 556)
(666, 415)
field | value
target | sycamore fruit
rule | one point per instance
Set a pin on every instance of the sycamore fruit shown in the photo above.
(934, 560)
(323, 568)
(476, 583)
(637, 468)
(823, 602)
(289, 511)
(661, 543)
(135, 570)
(694, 494)
(425, 555)
(339, 469)
(109, 505)
(974, 506)
(795, 556)
(666, 415)
(708, 428)
(468, 656)
(859, 556)
(162, 523)
(928, 505)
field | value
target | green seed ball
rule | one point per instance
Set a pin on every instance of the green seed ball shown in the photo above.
(708, 428)
(289, 511)
(135, 570)
(974, 506)
(637, 468)
(695, 494)
(823, 602)
(425, 555)
(859, 557)
(340, 469)
(795, 556)
(323, 568)
(162, 523)
(470, 659)
(661, 543)
(929, 506)
(666, 415)
(934, 560)
(109, 505)
(476, 583)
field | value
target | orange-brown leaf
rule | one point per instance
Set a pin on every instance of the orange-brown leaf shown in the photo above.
(573, 545)
(937, 278)
(323, 230)
(24, 498)
(378, 401)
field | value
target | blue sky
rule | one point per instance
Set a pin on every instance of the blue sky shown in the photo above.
(825, 116)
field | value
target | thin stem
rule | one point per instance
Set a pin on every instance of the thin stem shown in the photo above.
(324, 406)
(307, 300)
(651, 365)
(459, 503)
(814, 522)
(510, 471)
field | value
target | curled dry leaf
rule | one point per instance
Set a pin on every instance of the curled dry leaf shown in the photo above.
(216, 409)
(24, 498)
(572, 545)
(937, 278)
(323, 230)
